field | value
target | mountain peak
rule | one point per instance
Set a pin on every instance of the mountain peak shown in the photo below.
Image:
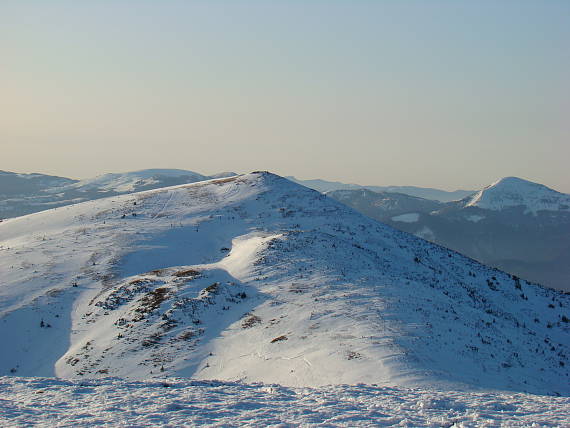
(517, 192)
(509, 181)
(257, 278)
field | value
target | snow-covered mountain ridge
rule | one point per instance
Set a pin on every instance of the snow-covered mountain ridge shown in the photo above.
(255, 278)
(516, 192)
(22, 194)
(13, 184)
(134, 180)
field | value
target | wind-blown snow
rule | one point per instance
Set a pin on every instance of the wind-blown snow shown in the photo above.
(256, 279)
(177, 402)
(513, 192)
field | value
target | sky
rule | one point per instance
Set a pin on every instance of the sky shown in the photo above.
(448, 94)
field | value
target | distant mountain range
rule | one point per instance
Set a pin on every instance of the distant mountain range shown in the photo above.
(420, 192)
(254, 278)
(515, 225)
(22, 194)
(14, 184)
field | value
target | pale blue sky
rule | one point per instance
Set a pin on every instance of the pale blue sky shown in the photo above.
(449, 94)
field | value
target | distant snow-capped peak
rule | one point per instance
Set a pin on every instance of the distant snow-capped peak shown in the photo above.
(513, 192)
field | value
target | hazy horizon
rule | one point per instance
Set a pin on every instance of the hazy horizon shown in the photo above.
(446, 188)
(443, 94)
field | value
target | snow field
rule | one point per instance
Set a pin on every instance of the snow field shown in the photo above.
(177, 402)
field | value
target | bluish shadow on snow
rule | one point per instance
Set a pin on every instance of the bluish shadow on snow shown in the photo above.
(36, 336)
(202, 243)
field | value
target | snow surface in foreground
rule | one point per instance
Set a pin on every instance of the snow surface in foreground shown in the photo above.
(176, 402)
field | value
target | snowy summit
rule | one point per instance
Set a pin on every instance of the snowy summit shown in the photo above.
(515, 192)
(254, 278)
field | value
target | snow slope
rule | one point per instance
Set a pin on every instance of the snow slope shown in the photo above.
(520, 227)
(22, 194)
(256, 279)
(514, 192)
(131, 181)
(384, 205)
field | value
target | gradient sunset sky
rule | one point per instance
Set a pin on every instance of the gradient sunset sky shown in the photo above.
(449, 94)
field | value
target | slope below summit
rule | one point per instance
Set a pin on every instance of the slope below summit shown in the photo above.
(255, 278)
(513, 224)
